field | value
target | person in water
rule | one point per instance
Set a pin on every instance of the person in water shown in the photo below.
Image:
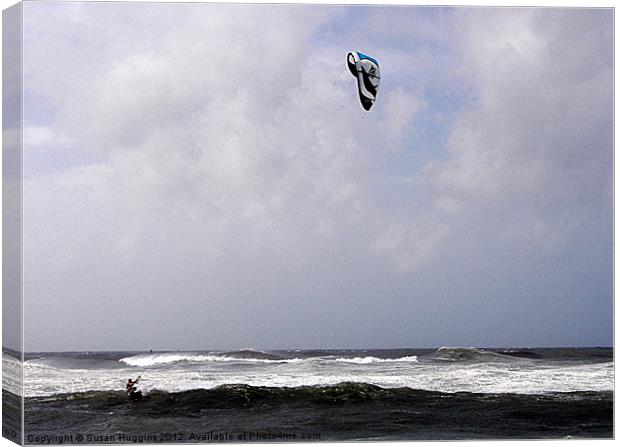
(131, 388)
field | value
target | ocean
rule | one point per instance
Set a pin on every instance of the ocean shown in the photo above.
(312, 395)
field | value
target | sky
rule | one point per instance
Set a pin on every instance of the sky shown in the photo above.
(202, 176)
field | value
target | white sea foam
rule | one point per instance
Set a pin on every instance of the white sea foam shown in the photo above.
(146, 360)
(369, 359)
(12, 374)
(184, 371)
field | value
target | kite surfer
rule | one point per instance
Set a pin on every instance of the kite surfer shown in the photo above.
(132, 391)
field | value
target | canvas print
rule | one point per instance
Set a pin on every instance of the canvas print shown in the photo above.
(282, 223)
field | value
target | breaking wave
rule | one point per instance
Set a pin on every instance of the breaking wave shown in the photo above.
(368, 360)
(469, 355)
(146, 360)
(247, 356)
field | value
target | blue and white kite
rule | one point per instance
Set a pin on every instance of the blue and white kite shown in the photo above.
(366, 70)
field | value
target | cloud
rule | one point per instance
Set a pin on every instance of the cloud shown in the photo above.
(530, 152)
(217, 173)
(223, 155)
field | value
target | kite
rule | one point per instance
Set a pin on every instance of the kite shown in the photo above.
(366, 70)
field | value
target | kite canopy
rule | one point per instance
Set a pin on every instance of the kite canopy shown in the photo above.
(366, 70)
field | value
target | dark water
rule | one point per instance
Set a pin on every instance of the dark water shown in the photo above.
(347, 410)
(11, 416)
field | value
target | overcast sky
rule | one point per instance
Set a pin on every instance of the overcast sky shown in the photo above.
(202, 176)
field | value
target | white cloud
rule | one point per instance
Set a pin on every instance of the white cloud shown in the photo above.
(234, 176)
(218, 155)
(530, 152)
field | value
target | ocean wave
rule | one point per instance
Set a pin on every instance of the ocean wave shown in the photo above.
(146, 360)
(253, 354)
(242, 395)
(369, 359)
(250, 356)
(469, 355)
(234, 394)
